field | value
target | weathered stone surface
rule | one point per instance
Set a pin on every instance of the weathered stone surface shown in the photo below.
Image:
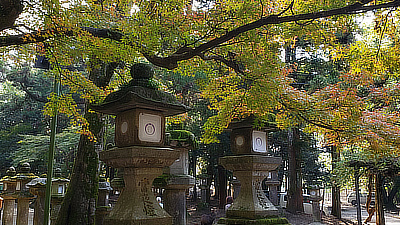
(139, 157)
(273, 184)
(250, 162)
(175, 197)
(181, 166)
(137, 203)
(8, 211)
(22, 211)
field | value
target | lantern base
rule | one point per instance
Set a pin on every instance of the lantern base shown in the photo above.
(251, 170)
(137, 204)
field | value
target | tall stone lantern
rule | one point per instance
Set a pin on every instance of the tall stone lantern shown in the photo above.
(315, 198)
(8, 194)
(59, 188)
(37, 187)
(140, 111)
(22, 192)
(250, 164)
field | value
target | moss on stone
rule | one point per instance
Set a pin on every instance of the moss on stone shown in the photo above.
(183, 136)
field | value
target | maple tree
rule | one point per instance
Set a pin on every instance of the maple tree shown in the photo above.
(237, 44)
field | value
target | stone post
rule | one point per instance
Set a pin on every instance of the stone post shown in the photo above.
(8, 211)
(23, 211)
(272, 182)
(175, 197)
(55, 208)
(37, 187)
(8, 196)
(203, 187)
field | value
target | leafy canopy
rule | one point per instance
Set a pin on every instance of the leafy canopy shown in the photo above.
(238, 45)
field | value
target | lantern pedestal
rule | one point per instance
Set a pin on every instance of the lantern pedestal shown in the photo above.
(137, 203)
(250, 171)
(8, 210)
(23, 210)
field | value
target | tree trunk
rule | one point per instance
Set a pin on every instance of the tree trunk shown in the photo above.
(336, 205)
(79, 203)
(80, 200)
(370, 210)
(295, 193)
(380, 216)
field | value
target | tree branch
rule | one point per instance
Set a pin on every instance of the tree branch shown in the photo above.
(171, 61)
(315, 123)
(33, 96)
(9, 12)
(230, 63)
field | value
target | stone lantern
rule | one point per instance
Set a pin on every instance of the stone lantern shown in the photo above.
(315, 197)
(203, 178)
(251, 165)
(103, 208)
(37, 187)
(58, 189)
(179, 180)
(104, 191)
(140, 111)
(9, 185)
(22, 192)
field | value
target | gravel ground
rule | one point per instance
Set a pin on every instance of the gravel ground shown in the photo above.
(195, 215)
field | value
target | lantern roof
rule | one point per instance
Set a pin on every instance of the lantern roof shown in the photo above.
(139, 93)
(41, 181)
(37, 182)
(250, 122)
(137, 97)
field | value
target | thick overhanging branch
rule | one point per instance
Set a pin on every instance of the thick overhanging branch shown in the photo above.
(171, 61)
(9, 12)
(236, 66)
